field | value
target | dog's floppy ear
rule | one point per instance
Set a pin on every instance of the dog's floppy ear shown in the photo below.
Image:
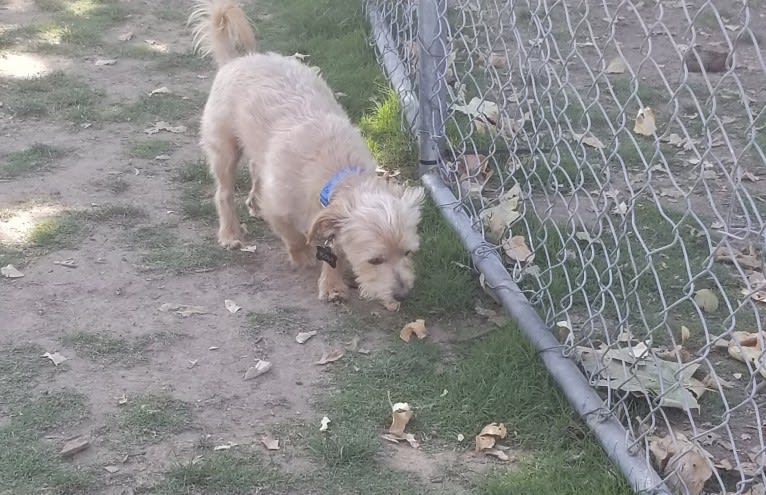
(325, 225)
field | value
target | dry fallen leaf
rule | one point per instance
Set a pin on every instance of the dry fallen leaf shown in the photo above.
(74, 446)
(589, 140)
(160, 91)
(106, 61)
(331, 356)
(231, 306)
(749, 260)
(645, 123)
(248, 249)
(517, 250)
(484, 442)
(498, 453)
(401, 414)
(126, 36)
(225, 446)
(471, 165)
(747, 347)
(10, 271)
(183, 309)
(616, 66)
(417, 327)
(68, 263)
(55, 357)
(302, 337)
(497, 60)
(325, 424)
(495, 429)
(270, 443)
(687, 464)
(165, 126)
(258, 369)
(407, 437)
(488, 437)
(491, 315)
(685, 334)
(460, 437)
(707, 300)
(499, 217)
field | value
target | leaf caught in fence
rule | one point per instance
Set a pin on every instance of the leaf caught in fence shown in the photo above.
(477, 108)
(517, 250)
(645, 123)
(499, 217)
(472, 165)
(638, 370)
(686, 464)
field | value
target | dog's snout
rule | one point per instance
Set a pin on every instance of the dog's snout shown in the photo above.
(400, 294)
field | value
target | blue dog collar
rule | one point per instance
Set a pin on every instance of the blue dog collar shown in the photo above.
(326, 192)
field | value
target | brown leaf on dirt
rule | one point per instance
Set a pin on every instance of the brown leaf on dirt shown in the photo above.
(616, 66)
(400, 416)
(748, 348)
(685, 334)
(165, 126)
(74, 446)
(589, 139)
(55, 357)
(331, 356)
(748, 260)
(495, 429)
(517, 250)
(303, 337)
(484, 442)
(183, 309)
(686, 464)
(499, 217)
(248, 249)
(645, 123)
(269, 442)
(163, 90)
(10, 271)
(487, 438)
(472, 165)
(258, 369)
(105, 61)
(225, 446)
(417, 327)
(675, 354)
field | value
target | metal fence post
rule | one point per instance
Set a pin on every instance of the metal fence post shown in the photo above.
(431, 71)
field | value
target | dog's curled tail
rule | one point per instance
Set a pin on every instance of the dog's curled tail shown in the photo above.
(221, 27)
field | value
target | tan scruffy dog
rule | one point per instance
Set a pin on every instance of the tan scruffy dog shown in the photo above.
(313, 177)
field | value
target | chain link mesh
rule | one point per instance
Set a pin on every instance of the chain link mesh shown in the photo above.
(613, 154)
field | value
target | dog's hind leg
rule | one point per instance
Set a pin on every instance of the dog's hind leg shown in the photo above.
(223, 156)
(253, 198)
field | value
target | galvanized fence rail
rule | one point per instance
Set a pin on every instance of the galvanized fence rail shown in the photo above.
(602, 162)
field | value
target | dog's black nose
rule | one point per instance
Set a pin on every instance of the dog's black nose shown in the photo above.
(400, 295)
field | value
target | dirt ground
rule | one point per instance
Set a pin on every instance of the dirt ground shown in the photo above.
(107, 290)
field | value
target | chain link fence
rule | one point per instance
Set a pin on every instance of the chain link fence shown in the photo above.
(613, 155)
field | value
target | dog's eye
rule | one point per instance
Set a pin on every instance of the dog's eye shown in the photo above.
(376, 261)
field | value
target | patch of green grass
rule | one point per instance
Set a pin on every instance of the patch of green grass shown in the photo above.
(497, 379)
(77, 24)
(102, 346)
(382, 127)
(150, 418)
(167, 107)
(70, 227)
(150, 148)
(325, 29)
(279, 319)
(55, 95)
(26, 462)
(188, 258)
(35, 159)
(11, 37)
(632, 92)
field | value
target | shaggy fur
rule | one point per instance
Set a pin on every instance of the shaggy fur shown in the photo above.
(283, 117)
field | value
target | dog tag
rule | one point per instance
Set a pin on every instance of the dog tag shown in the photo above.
(324, 253)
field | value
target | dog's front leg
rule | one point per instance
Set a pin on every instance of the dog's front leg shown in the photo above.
(332, 288)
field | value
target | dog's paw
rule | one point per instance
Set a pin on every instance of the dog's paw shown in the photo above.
(333, 293)
(391, 305)
(230, 242)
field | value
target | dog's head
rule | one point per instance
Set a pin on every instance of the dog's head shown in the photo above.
(375, 228)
